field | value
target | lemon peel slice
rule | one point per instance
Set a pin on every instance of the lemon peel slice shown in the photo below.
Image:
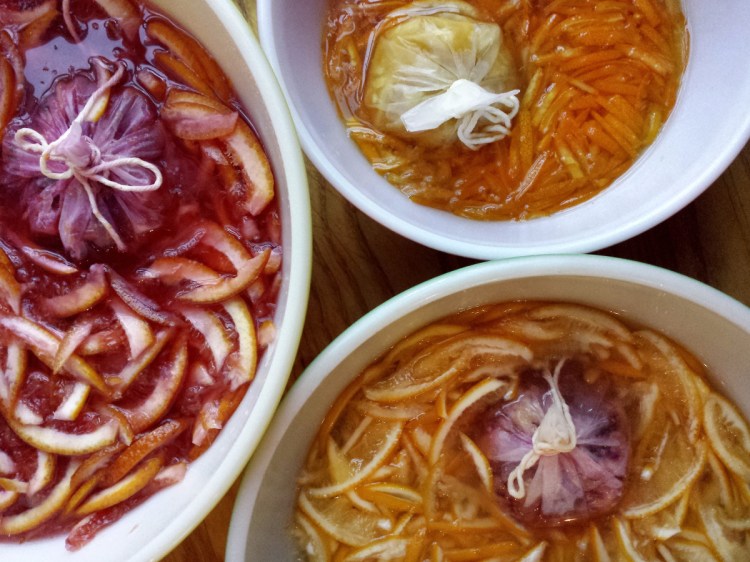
(315, 547)
(376, 446)
(675, 379)
(728, 433)
(340, 519)
(679, 466)
(480, 461)
(470, 397)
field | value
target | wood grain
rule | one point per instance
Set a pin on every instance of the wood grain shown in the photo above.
(358, 264)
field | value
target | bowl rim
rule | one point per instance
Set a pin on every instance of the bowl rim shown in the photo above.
(300, 243)
(476, 249)
(457, 281)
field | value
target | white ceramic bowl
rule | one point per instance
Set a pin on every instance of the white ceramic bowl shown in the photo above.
(708, 127)
(151, 530)
(714, 326)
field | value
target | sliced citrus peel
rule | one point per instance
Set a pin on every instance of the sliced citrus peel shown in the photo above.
(675, 379)
(124, 489)
(200, 118)
(153, 406)
(473, 396)
(134, 368)
(192, 55)
(449, 360)
(59, 442)
(241, 365)
(45, 345)
(10, 289)
(245, 151)
(211, 328)
(125, 13)
(247, 268)
(12, 379)
(140, 448)
(75, 301)
(728, 433)
(353, 473)
(72, 405)
(73, 338)
(662, 471)
(35, 516)
(137, 331)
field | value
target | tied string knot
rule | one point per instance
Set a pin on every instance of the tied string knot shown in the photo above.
(75, 156)
(483, 117)
(556, 434)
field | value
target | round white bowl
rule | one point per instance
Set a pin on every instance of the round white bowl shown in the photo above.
(709, 323)
(708, 127)
(154, 528)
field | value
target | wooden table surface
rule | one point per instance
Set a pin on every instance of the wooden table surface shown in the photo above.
(358, 264)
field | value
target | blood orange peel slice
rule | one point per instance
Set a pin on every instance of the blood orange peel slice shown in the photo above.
(48, 261)
(35, 516)
(70, 342)
(247, 269)
(245, 151)
(7, 499)
(177, 270)
(141, 448)
(44, 344)
(124, 489)
(153, 406)
(13, 378)
(74, 301)
(134, 368)
(137, 331)
(94, 463)
(197, 121)
(10, 289)
(45, 471)
(81, 493)
(213, 332)
(125, 13)
(241, 364)
(72, 405)
(14, 485)
(192, 55)
(59, 442)
(7, 93)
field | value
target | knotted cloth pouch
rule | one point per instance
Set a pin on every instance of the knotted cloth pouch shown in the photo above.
(438, 72)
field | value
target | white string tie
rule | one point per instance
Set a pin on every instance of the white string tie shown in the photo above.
(556, 434)
(483, 116)
(82, 159)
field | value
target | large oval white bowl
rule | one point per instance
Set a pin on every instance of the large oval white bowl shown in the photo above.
(712, 325)
(154, 528)
(708, 127)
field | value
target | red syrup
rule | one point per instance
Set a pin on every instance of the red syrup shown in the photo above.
(193, 194)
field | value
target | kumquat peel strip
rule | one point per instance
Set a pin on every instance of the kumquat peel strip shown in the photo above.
(597, 83)
(424, 484)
